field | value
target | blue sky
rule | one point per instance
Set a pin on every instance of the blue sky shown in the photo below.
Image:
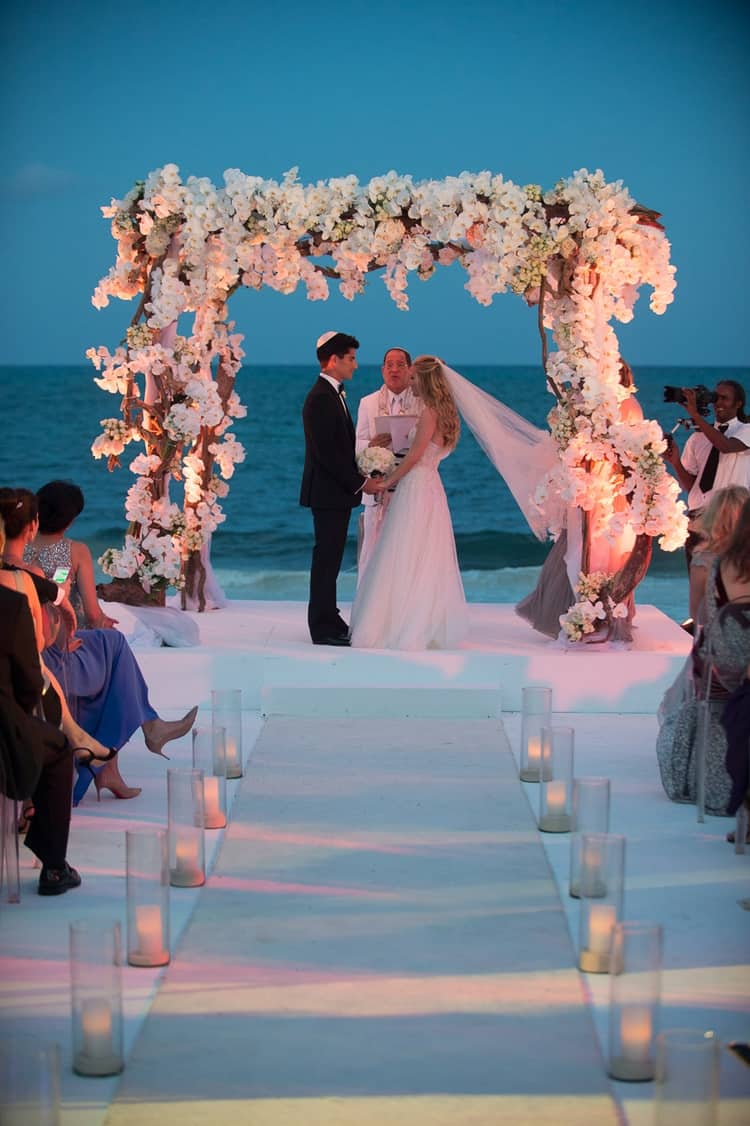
(96, 94)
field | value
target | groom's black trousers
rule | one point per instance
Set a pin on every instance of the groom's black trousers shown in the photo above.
(331, 526)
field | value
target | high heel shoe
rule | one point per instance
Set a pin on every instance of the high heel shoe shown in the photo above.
(106, 777)
(87, 757)
(109, 778)
(159, 731)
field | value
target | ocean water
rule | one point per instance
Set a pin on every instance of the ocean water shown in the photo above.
(51, 415)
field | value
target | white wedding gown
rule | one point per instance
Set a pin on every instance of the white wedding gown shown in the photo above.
(411, 595)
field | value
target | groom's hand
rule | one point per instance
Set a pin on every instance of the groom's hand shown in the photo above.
(381, 440)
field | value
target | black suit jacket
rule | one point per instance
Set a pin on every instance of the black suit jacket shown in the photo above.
(330, 478)
(21, 734)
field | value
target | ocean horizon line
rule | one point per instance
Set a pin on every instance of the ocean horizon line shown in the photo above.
(84, 363)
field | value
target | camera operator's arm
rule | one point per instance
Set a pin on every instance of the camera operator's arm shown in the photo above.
(683, 475)
(722, 443)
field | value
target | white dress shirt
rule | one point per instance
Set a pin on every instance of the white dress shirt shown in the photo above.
(733, 468)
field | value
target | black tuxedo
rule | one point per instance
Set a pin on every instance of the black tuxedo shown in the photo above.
(34, 757)
(331, 487)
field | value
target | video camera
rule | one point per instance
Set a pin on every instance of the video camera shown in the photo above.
(703, 397)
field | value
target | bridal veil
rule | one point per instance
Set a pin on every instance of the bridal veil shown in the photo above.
(521, 453)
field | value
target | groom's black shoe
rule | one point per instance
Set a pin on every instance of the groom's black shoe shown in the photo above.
(342, 639)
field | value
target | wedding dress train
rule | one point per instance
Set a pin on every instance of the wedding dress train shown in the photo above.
(411, 595)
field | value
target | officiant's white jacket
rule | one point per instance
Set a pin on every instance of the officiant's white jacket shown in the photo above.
(374, 406)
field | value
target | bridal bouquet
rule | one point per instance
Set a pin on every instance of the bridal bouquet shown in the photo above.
(376, 461)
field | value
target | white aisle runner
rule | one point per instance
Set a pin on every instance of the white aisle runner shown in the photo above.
(380, 941)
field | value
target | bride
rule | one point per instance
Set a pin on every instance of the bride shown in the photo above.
(411, 595)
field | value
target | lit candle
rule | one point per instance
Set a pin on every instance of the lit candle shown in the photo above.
(234, 765)
(556, 797)
(602, 918)
(636, 1030)
(186, 855)
(96, 1027)
(148, 929)
(214, 816)
(534, 751)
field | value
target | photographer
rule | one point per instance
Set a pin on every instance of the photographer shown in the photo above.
(714, 456)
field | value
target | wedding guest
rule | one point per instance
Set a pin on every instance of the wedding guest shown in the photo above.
(721, 649)
(554, 594)
(331, 482)
(736, 723)
(714, 456)
(54, 704)
(36, 760)
(101, 677)
(59, 503)
(37, 763)
(716, 526)
(394, 397)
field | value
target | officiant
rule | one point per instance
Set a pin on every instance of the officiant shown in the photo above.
(394, 399)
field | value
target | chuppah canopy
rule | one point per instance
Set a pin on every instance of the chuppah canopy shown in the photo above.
(579, 252)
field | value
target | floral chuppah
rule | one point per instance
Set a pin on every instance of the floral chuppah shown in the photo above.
(580, 252)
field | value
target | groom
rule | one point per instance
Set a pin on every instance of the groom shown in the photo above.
(331, 483)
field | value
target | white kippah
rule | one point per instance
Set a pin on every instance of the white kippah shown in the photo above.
(325, 338)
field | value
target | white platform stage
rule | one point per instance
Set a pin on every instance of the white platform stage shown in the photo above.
(264, 648)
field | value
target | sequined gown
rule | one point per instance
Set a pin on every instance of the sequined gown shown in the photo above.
(724, 641)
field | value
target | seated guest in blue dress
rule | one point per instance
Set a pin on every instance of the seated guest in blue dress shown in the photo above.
(97, 670)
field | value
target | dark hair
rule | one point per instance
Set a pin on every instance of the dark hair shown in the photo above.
(739, 396)
(338, 345)
(626, 374)
(18, 509)
(737, 555)
(59, 504)
(403, 352)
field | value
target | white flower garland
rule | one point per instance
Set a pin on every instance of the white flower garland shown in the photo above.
(585, 248)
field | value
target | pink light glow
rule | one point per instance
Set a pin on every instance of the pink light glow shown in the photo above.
(277, 887)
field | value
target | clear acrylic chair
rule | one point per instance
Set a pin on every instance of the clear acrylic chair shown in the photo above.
(10, 875)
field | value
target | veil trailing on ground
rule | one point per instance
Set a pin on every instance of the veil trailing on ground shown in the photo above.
(521, 453)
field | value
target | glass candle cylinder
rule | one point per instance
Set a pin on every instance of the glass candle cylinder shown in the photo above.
(686, 1091)
(185, 821)
(209, 755)
(601, 900)
(556, 780)
(634, 991)
(29, 1083)
(590, 815)
(226, 712)
(10, 867)
(96, 998)
(536, 712)
(147, 897)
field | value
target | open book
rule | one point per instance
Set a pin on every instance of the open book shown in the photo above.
(399, 427)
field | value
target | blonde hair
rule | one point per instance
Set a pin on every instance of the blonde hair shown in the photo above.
(435, 392)
(719, 519)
